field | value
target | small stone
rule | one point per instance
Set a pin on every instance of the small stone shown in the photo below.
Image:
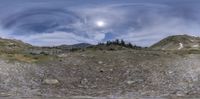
(100, 62)
(84, 81)
(170, 72)
(130, 82)
(180, 93)
(51, 81)
(83, 55)
(4, 94)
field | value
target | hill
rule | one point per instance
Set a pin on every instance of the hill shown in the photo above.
(104, 70)
(16, 50)
(178, 42)
(12, 44)
(79, 45)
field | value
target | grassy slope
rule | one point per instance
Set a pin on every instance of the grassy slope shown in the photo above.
(17, 50)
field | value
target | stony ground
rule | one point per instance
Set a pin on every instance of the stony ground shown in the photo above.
(128, 73)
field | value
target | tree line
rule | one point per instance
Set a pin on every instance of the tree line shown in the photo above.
(121, 43)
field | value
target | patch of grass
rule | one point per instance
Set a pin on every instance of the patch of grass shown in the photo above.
(185, 52)
(24, 58)
(27, 57)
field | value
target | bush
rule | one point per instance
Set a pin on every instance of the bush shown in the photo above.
(74, 49)
(44, 53)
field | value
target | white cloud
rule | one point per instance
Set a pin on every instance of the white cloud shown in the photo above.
(55, 38)
(139, 23)
(163, 28)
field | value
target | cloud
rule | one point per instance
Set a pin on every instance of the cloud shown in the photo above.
(55, 38)
(139, 23)
(38, 20)
(145, 24)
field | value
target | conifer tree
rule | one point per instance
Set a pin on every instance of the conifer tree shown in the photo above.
(129, 45)
(117, 41)
(122, 43)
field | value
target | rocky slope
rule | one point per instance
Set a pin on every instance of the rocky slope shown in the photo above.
(104, 73)
(99, 72)
(178, 42)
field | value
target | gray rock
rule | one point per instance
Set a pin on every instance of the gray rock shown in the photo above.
(180, 93)
(130, 82)
(100, 62)
(51, 81)
(4, 94)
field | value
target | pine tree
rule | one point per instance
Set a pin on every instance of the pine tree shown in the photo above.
(117, 41)
(129, 45)
(100, 43)
(108, 43)
(122, 43)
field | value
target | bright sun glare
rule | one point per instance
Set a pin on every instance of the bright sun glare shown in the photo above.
(100, 23)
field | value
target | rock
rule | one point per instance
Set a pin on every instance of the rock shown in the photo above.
(84, 81)
(130, 82)
(51, 81)
(180, 93)
(4, 94)
(100, 62)
(135, 81)
(83, 55)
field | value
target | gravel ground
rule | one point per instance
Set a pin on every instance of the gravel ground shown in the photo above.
(128, 74)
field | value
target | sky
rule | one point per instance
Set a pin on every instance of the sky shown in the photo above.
(57, 22)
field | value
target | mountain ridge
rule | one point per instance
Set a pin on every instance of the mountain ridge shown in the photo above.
(174, 42)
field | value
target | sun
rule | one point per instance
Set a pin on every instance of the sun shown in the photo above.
(100, 23)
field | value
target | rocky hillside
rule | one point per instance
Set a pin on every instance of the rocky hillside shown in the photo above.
(130, 73)
(8, 44)
(100, 71)
(16, 50)
(178, 42)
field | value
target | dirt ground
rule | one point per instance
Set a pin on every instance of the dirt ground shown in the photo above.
(123, 74)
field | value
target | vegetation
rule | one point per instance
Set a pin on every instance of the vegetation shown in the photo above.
(121, 43)
(16, 50)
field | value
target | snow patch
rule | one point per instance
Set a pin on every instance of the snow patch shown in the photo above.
(180, 46)
(195, 46)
